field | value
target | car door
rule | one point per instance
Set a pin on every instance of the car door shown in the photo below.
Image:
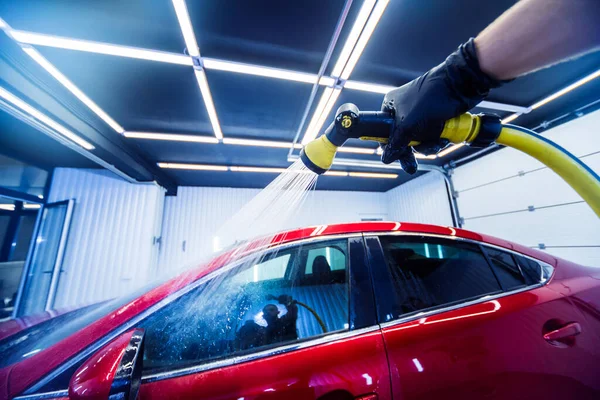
(466, 321)
(214, 342)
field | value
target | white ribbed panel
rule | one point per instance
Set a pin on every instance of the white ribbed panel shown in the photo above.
(424, 200)
(492, 185)
(110, 247)
(196, 213)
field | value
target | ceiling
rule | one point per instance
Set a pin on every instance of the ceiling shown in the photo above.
(150, 96)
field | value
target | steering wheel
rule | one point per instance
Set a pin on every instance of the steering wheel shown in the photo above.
(310, 309)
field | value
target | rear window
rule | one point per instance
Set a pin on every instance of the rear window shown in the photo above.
(429, 272)
(506, 269)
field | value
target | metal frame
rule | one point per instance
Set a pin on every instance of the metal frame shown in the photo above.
(544, 280)
(20, 196)
(36, 228)
(62, 244)
(58, 260)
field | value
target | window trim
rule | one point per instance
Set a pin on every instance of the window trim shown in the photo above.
(30, 393)
(544, 280)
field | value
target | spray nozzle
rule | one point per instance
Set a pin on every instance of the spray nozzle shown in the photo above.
(349, 123)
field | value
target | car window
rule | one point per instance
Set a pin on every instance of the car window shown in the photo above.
(430, 272)
(335, 258)
(256, 305)
(506, 269)
(532, 270)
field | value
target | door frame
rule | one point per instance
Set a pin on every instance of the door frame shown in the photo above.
(57, 268)
(62, 245)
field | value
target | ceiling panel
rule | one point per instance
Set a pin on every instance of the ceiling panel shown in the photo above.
(138, 23)
(257, 107)
(140, 95)
(284, 34)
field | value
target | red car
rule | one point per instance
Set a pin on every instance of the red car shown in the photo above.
(367, 310)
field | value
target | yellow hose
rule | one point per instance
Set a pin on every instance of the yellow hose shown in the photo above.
(579, 176)
(313, 312)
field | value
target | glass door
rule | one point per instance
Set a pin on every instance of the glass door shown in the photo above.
(43, 266)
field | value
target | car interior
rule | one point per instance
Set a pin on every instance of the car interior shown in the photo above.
(187, 331)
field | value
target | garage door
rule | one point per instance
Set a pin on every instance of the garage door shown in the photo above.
(512, 196)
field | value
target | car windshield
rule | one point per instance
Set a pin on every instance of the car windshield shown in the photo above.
(32, 340)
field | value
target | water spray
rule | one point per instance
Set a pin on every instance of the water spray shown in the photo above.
(479, 130)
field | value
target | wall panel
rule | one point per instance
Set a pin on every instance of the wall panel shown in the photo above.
(110, 248)
(513, 196)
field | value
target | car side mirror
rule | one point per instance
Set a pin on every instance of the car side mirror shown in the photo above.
(115, 370)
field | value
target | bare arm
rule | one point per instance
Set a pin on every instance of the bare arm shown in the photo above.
(535, 34)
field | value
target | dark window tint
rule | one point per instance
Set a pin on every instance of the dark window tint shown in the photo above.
(507, 271)
(264, 302)
(428, 272)
(532, 270)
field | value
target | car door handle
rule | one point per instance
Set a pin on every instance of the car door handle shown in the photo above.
(567, 331)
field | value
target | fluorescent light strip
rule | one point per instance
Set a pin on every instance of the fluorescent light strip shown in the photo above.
(72, 88)
(556, 95)
(312, 131)
(101, 48)
(567, 89)
(353, 36)
(424, 157)
(510, 118)
(31, 206)
(325, 113)
(196, 167)
(186, 27)
(260, 143)
(492, 105)
(171, 136)
(368, 87)
(364, 37)
(450, 149)
(372, 175)
(363, 163)
(231, 141)
(7, 207)
(257, 70)
(208, 102)
(45, 119)
(222, 168)
(335, 173)
(356, 150)
(257, 169)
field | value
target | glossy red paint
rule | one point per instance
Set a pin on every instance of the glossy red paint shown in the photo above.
(27, 372)
(494, 349)
(349, 367)
(15, 325)
(94, 378)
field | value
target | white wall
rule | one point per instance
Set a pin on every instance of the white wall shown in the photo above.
(110, 247)
(424, 200)
(193, 217)
(496, 191)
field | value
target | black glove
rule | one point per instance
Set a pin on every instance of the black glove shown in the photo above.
(422, 106)
(285, 299)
